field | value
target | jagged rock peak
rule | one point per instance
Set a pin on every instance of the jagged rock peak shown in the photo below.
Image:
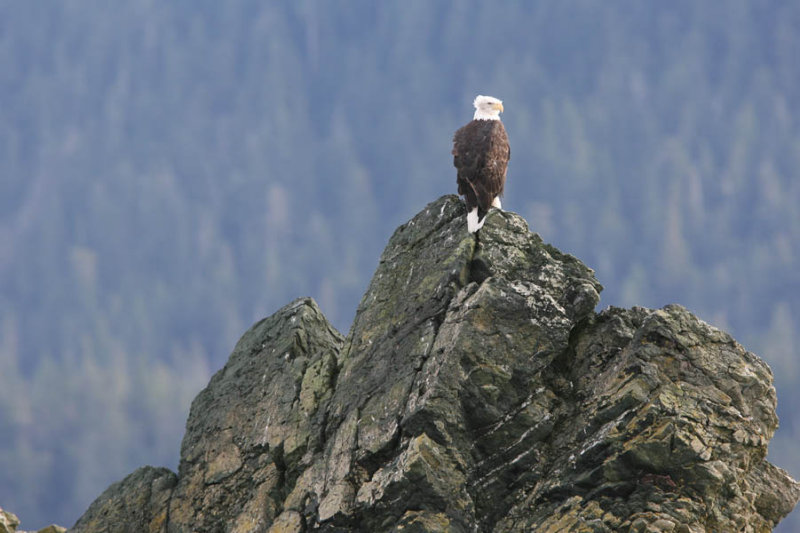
(477, 390)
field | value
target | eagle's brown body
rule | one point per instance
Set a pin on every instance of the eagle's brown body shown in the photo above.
(480, 155)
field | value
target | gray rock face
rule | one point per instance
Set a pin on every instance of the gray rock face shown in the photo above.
(137, 503)
(258, 425)
(477, 390)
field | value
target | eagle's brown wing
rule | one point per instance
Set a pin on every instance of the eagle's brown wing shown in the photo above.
(480, 154)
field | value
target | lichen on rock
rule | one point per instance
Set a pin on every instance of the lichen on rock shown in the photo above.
(477, 390)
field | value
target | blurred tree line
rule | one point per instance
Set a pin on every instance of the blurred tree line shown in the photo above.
(171, 172)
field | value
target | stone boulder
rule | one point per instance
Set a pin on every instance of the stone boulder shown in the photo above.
(477, 390)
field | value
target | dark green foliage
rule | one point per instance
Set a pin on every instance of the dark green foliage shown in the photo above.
(171, 172)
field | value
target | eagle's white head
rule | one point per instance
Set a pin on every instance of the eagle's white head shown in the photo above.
(487, 108)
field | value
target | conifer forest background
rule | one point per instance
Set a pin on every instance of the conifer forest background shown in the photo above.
(171, 172)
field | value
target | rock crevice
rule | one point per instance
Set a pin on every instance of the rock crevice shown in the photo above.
(477, 390)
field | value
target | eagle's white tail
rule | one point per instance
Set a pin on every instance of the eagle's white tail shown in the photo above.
(473, 224)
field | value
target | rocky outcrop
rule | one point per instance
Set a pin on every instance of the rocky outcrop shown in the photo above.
(9, 523)
(138, 503)
(477, 390)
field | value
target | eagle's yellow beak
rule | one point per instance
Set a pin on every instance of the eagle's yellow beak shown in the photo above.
(499, 106)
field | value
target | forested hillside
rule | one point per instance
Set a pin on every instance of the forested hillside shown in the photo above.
(171, 172)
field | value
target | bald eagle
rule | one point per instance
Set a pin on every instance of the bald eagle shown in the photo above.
(480, 155)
